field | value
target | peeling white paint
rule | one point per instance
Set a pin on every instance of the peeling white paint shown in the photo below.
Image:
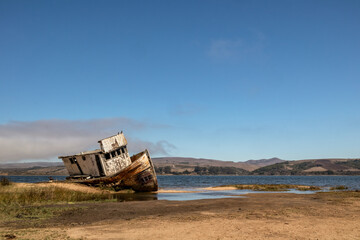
(114, 142)
(111, 159)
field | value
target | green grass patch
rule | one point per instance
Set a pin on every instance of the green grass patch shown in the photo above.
(32, 202)
(308, 188)
(340, 187)
(4, 182)
(265, 187)
(52, 194)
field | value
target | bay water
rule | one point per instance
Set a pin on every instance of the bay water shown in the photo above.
(193, 182)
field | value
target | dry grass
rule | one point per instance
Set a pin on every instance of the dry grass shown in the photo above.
(20, 200)
(341, 187)
(308, 188)
(46, 194)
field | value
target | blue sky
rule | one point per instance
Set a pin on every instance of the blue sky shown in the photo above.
(228, 80)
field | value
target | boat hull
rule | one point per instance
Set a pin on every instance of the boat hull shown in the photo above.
(139, 175)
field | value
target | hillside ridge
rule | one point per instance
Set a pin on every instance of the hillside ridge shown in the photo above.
(203, 166)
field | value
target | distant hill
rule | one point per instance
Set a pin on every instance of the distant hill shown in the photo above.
(265, 162)
(33, 168)
(178, 165)
(312, 167)
(35, 171)
(30, 164)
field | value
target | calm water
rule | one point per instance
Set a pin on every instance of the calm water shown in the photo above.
(194, 183)
(352, 182)
(191, 182)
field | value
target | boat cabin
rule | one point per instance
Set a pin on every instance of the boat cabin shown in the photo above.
(111, 158)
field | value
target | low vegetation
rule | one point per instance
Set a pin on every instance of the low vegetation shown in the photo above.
(38, 195)
(275, 169)
(308, 188)
(311, 167)
(341, 187)
(351, 163)
(28, 200)
(212, 170)
(4, 181)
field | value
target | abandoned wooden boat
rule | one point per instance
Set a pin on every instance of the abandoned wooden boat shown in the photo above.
(111, 166)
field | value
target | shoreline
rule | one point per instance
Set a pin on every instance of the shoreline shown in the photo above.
(330, 215)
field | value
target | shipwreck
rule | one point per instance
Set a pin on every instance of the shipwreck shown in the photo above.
(112, 166)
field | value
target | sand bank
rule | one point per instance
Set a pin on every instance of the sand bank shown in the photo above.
(333, 215)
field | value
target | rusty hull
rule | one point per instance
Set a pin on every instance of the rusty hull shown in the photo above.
(139, 175)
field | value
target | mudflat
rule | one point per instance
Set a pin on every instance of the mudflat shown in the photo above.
(332, 215)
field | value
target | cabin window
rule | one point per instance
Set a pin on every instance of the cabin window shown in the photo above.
(71, 161)
(123, 150)
(113, 154)
(107, 155)
(83, 158)
(118, 152)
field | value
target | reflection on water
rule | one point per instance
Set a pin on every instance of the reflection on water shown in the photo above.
(126, 197)
(194, 183)
(197, 194)
(217, 194)
(178, 181)
(178, 196)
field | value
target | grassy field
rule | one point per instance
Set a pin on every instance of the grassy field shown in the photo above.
(31, 201)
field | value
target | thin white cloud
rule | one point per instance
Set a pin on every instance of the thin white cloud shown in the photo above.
(159, 148)
(47, 139)
(225, 48)
(239, 48)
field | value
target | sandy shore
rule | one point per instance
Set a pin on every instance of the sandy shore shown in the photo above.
(176, 191)
(221, 188)
(258, 216)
